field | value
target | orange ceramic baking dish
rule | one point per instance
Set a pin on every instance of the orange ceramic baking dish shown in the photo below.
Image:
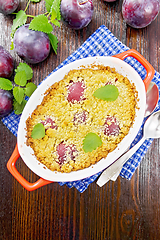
(47, 176)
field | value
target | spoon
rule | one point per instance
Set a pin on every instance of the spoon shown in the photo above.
(151, 129)
(152, 97)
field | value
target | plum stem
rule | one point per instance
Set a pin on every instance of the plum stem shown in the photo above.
(27, 5)
(32, 16)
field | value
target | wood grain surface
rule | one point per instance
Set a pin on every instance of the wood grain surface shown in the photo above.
(120, 210)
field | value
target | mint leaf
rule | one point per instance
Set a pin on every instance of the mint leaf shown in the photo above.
(55, 9)
(20, 19)
(40, 23)
(18, 94)
(5, 84)
(48, 4)
(53, 14)
(20, 78)
(91, 142)
(38, 131)
(56, 23)
(24, 67)
(54, 41)
(107, 93)
(18, 108)
(30, 88)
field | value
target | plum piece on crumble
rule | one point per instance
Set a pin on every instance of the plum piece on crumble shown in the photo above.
(76, 92)
(66, 153)
(49, 123)
(80, 117)
(111, 126)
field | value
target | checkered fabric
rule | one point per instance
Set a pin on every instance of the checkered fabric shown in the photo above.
(101, 43)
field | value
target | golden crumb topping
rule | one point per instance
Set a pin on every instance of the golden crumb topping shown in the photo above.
(69, 111)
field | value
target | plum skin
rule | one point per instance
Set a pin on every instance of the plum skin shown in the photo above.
(139, 14)
(6, 63)
(8, 6)
(6, 102)
(77, 13)
(32, 46)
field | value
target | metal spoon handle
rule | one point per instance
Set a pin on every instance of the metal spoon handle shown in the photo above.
(115, 167)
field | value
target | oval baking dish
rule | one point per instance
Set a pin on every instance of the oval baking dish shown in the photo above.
(48, 176)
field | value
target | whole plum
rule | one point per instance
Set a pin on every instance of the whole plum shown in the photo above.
(77, 13)
(32, 46)
(6, 102)
(140, 13)
(8, 6)
(6, 63)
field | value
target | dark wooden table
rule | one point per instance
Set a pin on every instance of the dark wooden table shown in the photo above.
(119, 210)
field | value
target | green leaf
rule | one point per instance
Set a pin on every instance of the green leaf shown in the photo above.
(54, 41)
(20, 78)
(48, 4)
(40, 23)
(55, 9)
(18, 108)
(53, 14)
(91, 142)
(5, 84)
(107, 93)
(38, 131)
(20, 19)
(56, 23)
(24, 67)
(18, 94)
(30, 88)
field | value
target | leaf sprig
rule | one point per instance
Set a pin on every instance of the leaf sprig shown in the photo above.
(107, 93)
(42, 22)
(38, 131)
(21, 87)
(91, 142)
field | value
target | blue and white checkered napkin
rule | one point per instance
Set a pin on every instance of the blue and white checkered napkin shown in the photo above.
(101, 43)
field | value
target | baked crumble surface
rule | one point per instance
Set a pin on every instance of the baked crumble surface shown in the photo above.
(69, 117)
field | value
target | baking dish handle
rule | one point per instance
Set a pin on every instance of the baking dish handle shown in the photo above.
(150, 70)
(12, 169)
